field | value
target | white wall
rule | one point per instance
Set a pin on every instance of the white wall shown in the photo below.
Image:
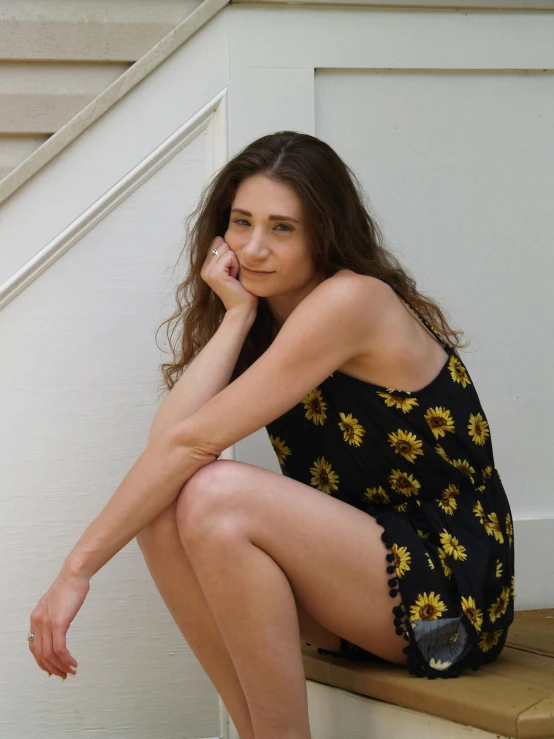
(79, 377)
(447, 118)
(458, 166)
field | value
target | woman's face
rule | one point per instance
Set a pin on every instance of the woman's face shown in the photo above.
(278, 247)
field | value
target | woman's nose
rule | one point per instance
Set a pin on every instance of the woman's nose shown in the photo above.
(255, 247)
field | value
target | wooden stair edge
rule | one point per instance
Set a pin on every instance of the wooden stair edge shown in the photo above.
(489, 699)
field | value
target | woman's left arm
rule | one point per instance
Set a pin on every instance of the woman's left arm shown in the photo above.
(329, 327)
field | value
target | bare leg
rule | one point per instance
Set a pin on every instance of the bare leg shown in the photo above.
(258, 542)
(175, 578)
(253, 602)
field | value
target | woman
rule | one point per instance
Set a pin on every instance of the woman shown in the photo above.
(387, 537)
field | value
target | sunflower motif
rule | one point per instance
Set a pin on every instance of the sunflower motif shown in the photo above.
(458, 372)
(498, 568)
(509, 529)
(487, 473)
(440, 421)
(438, 664)
(401, 507)
(447, 501)
(428, 607)
(406, 444)
(402, 559)
(498, 608)
(397, 401)
(478, 428)
(464, 465)
(422, 534)
(430, 561)
(324, 476)
(315, 407)
(492, 527)
(451, 546)
(444, 562)
(404, 483)
(479, 512)
(440, 451)
(474, 614)
(489, 639)
(480, 489)
(512, 587)
(280, 448)
(352, 430)
(376, 495)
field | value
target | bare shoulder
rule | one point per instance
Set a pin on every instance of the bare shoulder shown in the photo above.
(359, 298)
(398, 351)
(364, 286)
(369, 294)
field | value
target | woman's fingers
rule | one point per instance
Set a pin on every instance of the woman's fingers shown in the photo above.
(42, 655)
(41, 647)
(234, 270)
(36, 650)
(37, 660)
(48, 653)
(50, 621)
(59, 642)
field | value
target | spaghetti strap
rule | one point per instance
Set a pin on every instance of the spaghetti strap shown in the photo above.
(449, 348)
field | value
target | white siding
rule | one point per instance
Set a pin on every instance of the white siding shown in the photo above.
(86, 30)
(55, 57)
(14, 149)
(40, 98)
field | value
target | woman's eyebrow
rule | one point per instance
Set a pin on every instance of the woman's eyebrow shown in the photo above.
(271, 218)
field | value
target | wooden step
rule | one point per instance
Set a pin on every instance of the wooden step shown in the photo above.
(512, 697)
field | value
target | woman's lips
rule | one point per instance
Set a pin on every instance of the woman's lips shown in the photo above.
(251, 272)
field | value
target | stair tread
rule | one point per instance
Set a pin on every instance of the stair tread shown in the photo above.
(513, 696)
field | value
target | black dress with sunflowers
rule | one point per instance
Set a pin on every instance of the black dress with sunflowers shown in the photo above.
(422, 464)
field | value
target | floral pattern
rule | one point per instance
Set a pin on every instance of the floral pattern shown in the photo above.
(422, 464)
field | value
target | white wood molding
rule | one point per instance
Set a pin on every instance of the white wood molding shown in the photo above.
(211, 119)
(501, 5)
(109, 97)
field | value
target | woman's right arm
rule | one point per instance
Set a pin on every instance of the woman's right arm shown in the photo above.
(208, 373)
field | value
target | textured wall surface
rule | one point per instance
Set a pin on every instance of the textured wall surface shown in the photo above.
(56, 56)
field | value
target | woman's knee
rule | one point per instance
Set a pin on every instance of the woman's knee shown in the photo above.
(166, 523)
(203, 493)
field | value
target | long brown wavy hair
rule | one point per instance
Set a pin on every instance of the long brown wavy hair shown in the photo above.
(341, 232)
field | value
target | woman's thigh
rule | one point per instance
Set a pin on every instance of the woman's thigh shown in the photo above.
(331, 552)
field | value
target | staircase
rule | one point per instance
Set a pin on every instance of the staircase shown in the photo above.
(55, 57)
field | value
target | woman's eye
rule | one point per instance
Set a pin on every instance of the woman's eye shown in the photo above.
(238, 221)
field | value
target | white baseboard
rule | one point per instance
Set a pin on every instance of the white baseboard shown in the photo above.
(339, 714)
(534, 563)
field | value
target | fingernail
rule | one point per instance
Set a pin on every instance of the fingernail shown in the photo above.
(61, 678)
(49, 674)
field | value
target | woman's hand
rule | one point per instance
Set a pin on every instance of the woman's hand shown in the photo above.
(50, 621)
(221, 275)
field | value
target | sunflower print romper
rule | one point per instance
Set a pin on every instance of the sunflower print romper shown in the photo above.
(421, 463)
